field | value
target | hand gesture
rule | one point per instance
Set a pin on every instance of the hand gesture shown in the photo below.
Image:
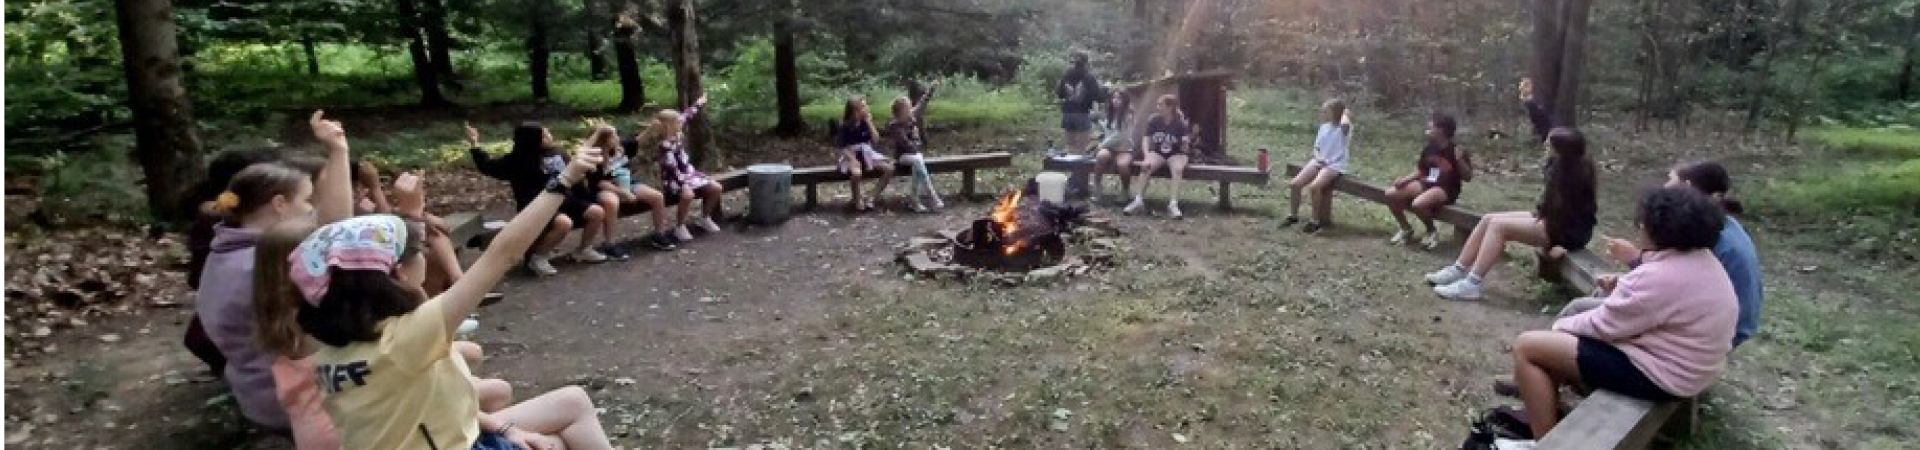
(328, 132)
(597, 123)
(702, 101)
(1607, 282)
(408, 196)
(532, 441)
(1622, 250)
(369, 175)
(584, 162)
(473, 135)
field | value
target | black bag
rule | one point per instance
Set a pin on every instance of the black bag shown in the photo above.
(1500, 422)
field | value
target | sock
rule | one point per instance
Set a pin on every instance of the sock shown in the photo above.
(1456, 266)
(1473, 279)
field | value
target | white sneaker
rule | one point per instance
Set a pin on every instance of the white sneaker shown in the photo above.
(467, 326)
(1135, 207)
(589, 255)
(1400, 237)
(542, 264)
(1173, 210)
(707, 223)
(681, 233)
(1464, 289)
(1432, 241)
(1513, 444)
(1446, 276)
(918, 207)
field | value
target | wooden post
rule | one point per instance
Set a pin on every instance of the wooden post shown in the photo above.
(966, 184)
(1226, 196)
(813, 195)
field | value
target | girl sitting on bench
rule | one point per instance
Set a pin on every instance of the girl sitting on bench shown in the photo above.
(1663, 334)
(616, 185)
(443, 259)
(384, 367)
(1435, 182)
(276, 310)
(904, 134)
(528, 167)
(858, 159)
(1115, 153)
(1328, 163)
(678, 177)
(1166, 142)
(1562, 221)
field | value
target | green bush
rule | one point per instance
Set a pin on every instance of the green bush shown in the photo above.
(97, 186)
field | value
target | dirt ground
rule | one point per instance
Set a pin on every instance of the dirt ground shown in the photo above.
(1217, 331)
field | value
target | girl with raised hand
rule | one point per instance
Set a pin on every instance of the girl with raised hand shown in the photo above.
(385, 371)
(617, 186)
(259, 197)
(1328, 163)
(904, 134)
(1435, 182)
(678, 177)
(858, 159)
(528, 167)
(1560, 222)
(1167, 142)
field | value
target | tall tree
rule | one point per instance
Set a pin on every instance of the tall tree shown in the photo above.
(424, 73)
(538, 53)
(1903, 88)
(633, 90)
(165, 135)
(596, 24)
(439, 42)
(786, 74)
(686, 59)
(1559, 49)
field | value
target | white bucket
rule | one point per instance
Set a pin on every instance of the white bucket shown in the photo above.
(1053, 187)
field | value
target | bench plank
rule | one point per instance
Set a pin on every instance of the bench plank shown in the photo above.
(1607, 420)
(1578, 269)
(1461, 218)
(463, 226)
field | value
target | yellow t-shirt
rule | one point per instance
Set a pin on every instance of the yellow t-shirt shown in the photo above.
(404, 391)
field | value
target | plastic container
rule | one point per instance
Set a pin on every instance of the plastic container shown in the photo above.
(769, 188)
(1053, 187)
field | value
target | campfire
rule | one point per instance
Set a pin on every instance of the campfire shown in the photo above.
(1022, 235)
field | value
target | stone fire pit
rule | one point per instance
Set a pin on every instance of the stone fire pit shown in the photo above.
(1021, 242)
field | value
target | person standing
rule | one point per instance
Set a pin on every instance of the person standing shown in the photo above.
(1078, 90)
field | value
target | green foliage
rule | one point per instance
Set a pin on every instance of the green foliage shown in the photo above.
(94, 186)
(959, 102)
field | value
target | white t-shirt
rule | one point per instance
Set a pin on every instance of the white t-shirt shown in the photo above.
(1331, 146)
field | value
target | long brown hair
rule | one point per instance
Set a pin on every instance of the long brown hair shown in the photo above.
(255, 187)
(276, 306)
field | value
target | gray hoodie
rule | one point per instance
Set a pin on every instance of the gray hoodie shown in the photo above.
(225, 305)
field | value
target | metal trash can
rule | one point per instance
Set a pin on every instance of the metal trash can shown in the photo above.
(768, 189)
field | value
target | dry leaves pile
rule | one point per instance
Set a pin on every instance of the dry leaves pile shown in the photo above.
(59, 280)
(461, 190)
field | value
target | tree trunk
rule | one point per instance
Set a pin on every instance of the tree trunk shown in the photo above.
(597, 17)
(633, 90)
(423, 72)
(786, 75)
(686, 58)
(1903, 89)
(538, 52)
(313, 55)
(166, 137)
(1547, 46)
(439, 43)
(1566, 98)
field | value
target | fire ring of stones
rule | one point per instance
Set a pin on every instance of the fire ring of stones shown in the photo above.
(1021, 242)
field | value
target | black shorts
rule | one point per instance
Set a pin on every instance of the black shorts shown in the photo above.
(575, 210)
(1453, 192)
(1604, 366)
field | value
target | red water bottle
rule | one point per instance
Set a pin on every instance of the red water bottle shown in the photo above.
(1265, 161)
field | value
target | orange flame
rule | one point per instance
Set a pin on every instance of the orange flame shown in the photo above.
(1004, 214)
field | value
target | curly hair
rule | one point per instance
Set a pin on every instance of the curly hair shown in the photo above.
(1680, 219)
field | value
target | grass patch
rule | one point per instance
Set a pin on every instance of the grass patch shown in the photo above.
(1884, 142)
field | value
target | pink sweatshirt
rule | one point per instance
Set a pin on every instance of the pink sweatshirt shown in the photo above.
(1673, 316)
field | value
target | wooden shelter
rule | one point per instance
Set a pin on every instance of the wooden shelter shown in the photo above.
(1203, 97)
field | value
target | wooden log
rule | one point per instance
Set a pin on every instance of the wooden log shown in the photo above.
(1607, 420)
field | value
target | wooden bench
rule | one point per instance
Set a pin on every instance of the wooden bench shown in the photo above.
(1462, 219)
(1225, 175)
(968, 165)
(1607, 420)
(1578, 269)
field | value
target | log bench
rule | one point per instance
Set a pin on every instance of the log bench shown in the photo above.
(1225, 175)
(1606, 421)
(1578, 269)
(1462, 219)
(468, 228)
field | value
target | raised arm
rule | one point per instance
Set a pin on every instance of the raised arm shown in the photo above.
(333, 193)
(920, 105)
(487, 164)
(509, 246)
(370, 178)
(692, 110)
